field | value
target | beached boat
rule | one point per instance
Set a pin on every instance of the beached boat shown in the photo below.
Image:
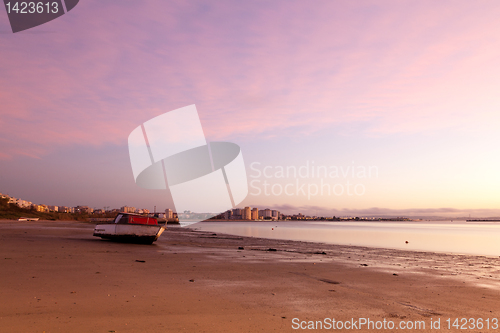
(130, 228)
(24, 219)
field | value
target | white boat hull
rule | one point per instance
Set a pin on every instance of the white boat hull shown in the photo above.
(139, 233)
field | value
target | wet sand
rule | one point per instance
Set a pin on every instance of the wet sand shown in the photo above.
(57, 277)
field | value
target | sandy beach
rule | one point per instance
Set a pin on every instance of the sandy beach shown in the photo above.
(57, 277)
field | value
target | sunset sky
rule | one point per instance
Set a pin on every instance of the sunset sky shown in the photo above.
(411, 89)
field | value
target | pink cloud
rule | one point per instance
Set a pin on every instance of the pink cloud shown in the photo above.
(252, 69)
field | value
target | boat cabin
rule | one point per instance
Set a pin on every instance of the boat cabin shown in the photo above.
(125, 218)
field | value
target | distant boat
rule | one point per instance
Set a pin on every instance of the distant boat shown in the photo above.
(132, 228)
(24, 219)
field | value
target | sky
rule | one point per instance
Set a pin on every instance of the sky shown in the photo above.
(406, 90)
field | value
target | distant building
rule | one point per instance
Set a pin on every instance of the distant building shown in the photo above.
(169, 214)
(40, 208)
(246, 213)
(53, 208)
(255, 214)
(298, 216)
(24, 203)
(83, 209)
(236, 214)
(19, 202)
(266, 214)
(227, 215)
(126, 209)
(64, 209)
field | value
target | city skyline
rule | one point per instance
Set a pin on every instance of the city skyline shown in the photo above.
(245, 213)
(406, 89)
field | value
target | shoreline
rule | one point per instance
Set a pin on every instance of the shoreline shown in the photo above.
(57, 277)
(455, 239)
(470, 266)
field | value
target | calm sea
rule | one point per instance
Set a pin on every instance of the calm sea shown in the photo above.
(478, 238)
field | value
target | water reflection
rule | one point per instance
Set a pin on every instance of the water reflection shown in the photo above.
(462, 237)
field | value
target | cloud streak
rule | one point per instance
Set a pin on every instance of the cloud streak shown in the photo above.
(252, 69)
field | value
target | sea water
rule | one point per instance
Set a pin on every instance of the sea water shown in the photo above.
(476, 238)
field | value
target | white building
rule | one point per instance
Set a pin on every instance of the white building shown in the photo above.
(126, 209)
(24, 203)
